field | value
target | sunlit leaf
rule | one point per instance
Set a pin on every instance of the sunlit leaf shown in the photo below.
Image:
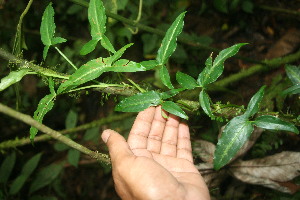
(139, 102)
(27, 170)
(97, 19)
(124, 65)
(169, 44)
(212, 72)
(46, 176)
(88, 47)
(186, 81)
(149, 64)
(107, 44)
(119, 53)
(205, 103)
(295, 89)
(274, 123)
(254, 102)
(12, 78)
(234, 136)
(174, 109)
(165, 77)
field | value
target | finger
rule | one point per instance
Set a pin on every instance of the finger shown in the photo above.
(138, 135)
(117, 145)
(184, 147)
(169, 140)
(156, 132)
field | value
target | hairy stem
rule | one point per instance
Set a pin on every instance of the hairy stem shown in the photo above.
(54, 134)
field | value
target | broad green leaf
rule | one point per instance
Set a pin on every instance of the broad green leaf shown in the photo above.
(139, 102)
(88, 47)
(205, 103)
(45, 105)
(295, 89)
(27, 170)
(186, 81)
(254, 102)
(124, 65)
(149, 64)
(165, 77)
(12, 78)
(169, 44)
(7, 167)
(58, 40)
(234, 136)
(97, 19)
(174, 109)
(73, 157)
(274, 123)
(47, 28)
(107, 44)
(293, 73)
(46, 176)
(71, 119)
(212, 72)
(170, 93)
(89, 71)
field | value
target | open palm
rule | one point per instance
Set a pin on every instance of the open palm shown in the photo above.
(156, 162)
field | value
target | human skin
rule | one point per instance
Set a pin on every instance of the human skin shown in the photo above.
(156, 162)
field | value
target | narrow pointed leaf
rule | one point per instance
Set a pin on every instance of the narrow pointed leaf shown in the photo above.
(119, 53)
(274, 123)
(169, 44)
(139, 102)
(7, 167)
(211, 73)
(58, 40)
(27, 170)
(186, 81)
(97, 19)
(295, 89)
(174, 109)
(107, 44)
(205, 103)
(88, 47)
(254, 102)
(165, 77)
(124, 65)
(149, 64)
(170, 93)
(208, 65)
(234, 136)
(45, 51)
(47, 28)
(12, 78)
(293, 73)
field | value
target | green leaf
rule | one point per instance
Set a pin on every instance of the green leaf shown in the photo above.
(45, 51)
(58, 40)
(174, 109)
(92, 134)
(89, 71)
(88, 47)
(107, 44)
(47, 28)
(149, 64)
(274, 123)
(45, 105)
(165, 77)
(233, 137)
(7, 167)
(186, 81)
(295, 89)
(45, 177)
(221, 5)
(119, 53)
(71, 119)
(27, 170)
(169, 44)
(124, 65)
(170, 93)
(212, 71)
(139, 102)
(73, 157)
(293, 73)
(253, 105)
(97, 19)
(205, 103)
(12, 78)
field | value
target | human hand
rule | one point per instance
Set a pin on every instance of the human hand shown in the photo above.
(156, 162)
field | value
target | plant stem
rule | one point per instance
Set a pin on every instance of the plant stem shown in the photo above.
(54, 134)
(24, 141)
(281, 10)
(66, 58)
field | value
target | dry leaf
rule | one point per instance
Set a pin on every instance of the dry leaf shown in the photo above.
(272, 171)
(211, 177)
(205, 150)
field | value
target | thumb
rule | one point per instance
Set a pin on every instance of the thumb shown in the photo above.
(117, 146)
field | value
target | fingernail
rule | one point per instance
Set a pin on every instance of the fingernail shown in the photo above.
(105, 135)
